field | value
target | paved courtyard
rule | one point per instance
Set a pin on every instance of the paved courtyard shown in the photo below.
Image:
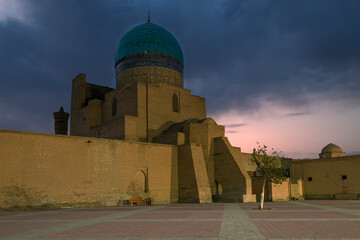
(327, 219)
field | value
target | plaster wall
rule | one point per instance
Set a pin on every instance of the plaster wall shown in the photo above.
(273, 192)
(160, 107)
(92, 110)
(230, 174)
(248, 165)
(281, 192)
(193, 178)
(296, 189)
(201, 175)
(188, 190)
(327, 177)
(86, 105)
(256, 184)
(127, 103)
(204, 134)
(54, 169)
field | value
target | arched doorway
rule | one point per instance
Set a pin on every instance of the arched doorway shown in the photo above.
(140, 182)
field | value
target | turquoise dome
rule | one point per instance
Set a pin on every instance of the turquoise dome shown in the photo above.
(149, 38)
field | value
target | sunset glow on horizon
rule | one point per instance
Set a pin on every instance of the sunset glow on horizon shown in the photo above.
(297, 135)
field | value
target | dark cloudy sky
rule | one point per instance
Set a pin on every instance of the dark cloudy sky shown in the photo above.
(284, 73)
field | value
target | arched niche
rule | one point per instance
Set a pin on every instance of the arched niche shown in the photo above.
(140, 182)
(219, 189)
(114, 107)
(175, 103)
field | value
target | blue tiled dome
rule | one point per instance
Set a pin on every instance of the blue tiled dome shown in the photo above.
(149, 38)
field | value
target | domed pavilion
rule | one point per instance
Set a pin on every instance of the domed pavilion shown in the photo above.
(331, 150)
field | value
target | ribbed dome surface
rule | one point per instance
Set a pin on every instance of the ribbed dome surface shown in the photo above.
(330, 148)
(149, 38)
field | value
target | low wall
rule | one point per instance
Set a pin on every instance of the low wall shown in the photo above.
(39, 169)
(277, 192)
(329, 178)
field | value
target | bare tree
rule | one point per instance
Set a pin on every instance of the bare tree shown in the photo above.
(269, 166)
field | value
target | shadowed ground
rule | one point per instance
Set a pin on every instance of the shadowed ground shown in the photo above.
(328, 219)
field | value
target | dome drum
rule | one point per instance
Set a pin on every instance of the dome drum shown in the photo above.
(149, 75)
(149, 59)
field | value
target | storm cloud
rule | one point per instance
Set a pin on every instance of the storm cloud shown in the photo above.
(237, 53)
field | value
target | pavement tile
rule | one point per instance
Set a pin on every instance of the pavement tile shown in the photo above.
(353, 207)
(176, 215)
(215, 205)
(188, 209)
(196, 204)
(297, 208)
(60, 216)
(310, 229)
(8, 213)
(89, 210)
(327, 219)
(140, 229)
(269, 205)
(8, 228)
(31, 211)
(318, 214)
(332, 202)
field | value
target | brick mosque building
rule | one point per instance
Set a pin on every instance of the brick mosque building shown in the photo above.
(149, 137)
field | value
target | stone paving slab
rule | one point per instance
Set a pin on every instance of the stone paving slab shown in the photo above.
(87, 210)
(309, 214)
(177, 215)
(354, 207)
(332, 202)
(144, 230)
(192, 205)
(60, 216)
(9, 228)
(310, 229)
(286, 220)
(331, 207)
(35, 233)
(280, 204)
(8, 213)
(292, 208)
(22, 212)
(189, 209)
